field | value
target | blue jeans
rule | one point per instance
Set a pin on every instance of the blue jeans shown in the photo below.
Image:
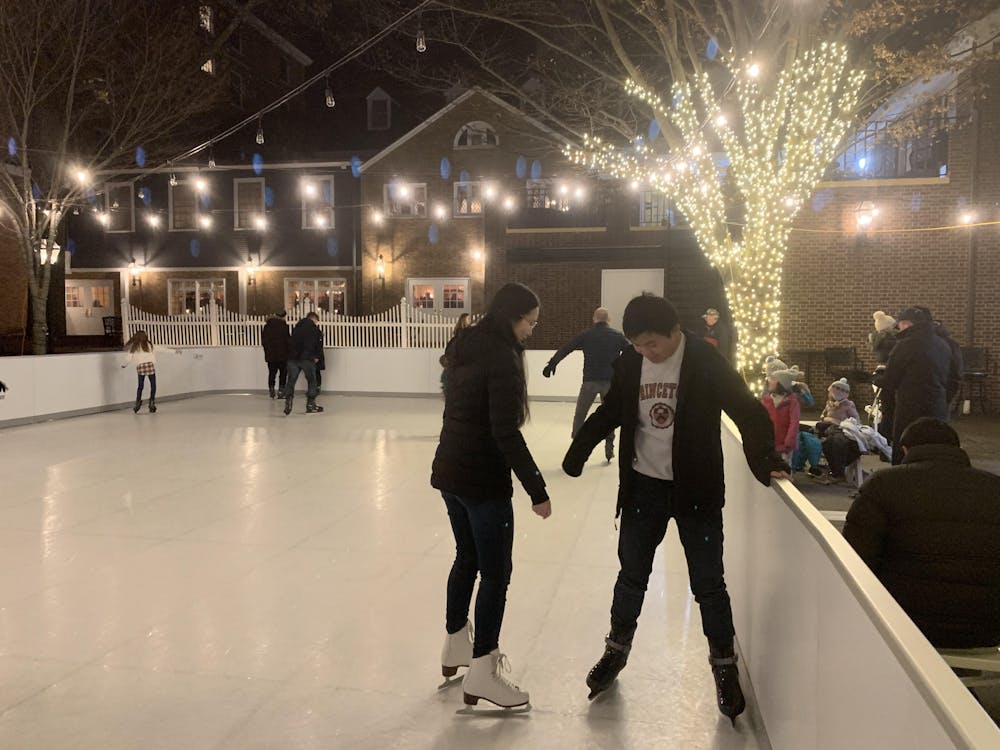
(643, 524)
(308, 368)
(152, 386)
(484, 541)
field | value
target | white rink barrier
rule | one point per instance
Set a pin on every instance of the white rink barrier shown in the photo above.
(834, 661)
(70, 384)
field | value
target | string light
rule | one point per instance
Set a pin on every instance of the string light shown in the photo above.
(801, 118)
(421, 41)
(260, 132)
(211, 158)
(330, 101)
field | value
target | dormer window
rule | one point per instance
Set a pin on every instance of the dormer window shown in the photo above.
(379, 110)
(476, 134)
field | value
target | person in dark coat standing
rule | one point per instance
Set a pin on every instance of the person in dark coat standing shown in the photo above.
(667, 395)
(601, 345)
(916, 376)
(929, 529)
(486, 404)
(716, 332)
(274, 338)
(956, 369)
(304, 352)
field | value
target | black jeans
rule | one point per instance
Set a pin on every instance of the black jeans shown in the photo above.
(308, 368)
(484, 541)
(643, 524)
(152, 387)
(276, 368)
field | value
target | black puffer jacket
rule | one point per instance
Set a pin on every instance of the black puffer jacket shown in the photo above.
(307, 342)
(708, 385)
(917, 376)
(275, 339)
(480, 437)
(929, 529)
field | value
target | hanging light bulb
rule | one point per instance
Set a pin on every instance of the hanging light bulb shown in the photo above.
(211, 158)
(421, 41)
(260, 132)
(330, 101)
(173, 180)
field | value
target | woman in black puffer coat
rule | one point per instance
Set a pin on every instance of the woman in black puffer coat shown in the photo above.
(486, 404)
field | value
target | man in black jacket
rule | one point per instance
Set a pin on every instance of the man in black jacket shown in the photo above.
(667, 394)
(304, 351)
(916, 376)
(929, 529)
(601, 345)
(274, 338)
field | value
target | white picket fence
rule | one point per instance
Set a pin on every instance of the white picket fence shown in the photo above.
(401, 326)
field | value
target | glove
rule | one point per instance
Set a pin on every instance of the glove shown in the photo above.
(549, 370)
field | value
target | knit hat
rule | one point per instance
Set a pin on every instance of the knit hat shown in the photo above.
(711, 311)
(786, 377)
(771, 364)
(281, 314)
(916, 314)
(842, 384)
(883, 322)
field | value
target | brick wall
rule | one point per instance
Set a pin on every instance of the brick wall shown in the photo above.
(14, 299)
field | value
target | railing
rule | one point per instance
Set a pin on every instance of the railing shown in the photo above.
(402, 326)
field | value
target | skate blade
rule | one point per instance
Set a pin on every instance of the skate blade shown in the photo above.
(472, 700)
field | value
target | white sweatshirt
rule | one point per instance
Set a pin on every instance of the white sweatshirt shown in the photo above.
(139, 356)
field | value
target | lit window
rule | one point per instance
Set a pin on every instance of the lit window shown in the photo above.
(209, 66)
(405, 200)
(468, 199)
(315, 295)
(653, 209)
(440, 295)
(317, 202)
(206, 19)
(195, 296)
(73, 296)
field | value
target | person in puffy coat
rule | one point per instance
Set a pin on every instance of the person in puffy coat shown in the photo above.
(928, 529)
(486, 404)
(274, 338)
(916, 376)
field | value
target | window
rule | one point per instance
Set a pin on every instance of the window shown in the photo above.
(206, 19)
(468, 199)
(100, 296)
(476, 135)
(182, 210)
(119, 200)
(209, 66)
(654, 209)
(317, 202)
(547, 194)
(379, 113)
(73, 296)
(248, 198)
(405, 200)
(194, 296)
(308, 295)
(440, 295)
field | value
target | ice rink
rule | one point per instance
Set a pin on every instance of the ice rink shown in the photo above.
(218, 575)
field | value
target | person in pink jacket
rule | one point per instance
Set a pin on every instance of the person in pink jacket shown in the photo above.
(782, 406)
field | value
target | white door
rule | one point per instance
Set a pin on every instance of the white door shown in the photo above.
(87, 302)
(620, 285)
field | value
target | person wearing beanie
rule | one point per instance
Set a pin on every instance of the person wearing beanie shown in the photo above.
(916, 375)
(716, 332)
(783, 408)
(838, 406)
(884, 337)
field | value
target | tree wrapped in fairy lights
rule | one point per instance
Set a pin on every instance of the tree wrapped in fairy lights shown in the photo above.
(778, 140)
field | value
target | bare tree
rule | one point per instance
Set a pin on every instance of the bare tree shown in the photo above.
(83, 84)
(773, 86)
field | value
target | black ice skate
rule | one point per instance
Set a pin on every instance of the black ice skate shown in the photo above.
(727, 682)
(312, 407)
(138, 405)
(288, 405)
(152, 406)
(613, 661)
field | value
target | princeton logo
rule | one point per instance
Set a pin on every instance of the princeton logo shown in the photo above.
(661, 416)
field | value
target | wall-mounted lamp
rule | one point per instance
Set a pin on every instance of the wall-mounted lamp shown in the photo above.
(865, 213)
(136, 272)
(380, 268)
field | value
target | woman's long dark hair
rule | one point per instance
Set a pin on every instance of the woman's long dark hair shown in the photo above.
(139, 340)
(511, 303)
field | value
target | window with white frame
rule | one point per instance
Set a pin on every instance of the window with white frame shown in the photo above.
(311, 295)
(405, 200)
(209, 66)
(654, 209)
(120, 206)
(182, 207)
(248, 202)
(194, 296)
(476, 134)
(73, 296)
(317, 202)
(450, 295)
(468, 199)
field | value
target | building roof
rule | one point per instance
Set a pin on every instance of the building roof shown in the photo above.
(448, 108)
(278, 40)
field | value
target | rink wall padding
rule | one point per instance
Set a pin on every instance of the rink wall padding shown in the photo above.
(834, 661)
(66, 385)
